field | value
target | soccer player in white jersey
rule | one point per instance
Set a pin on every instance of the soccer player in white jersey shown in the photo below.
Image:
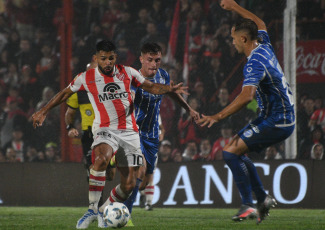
(264, 78)
(114, 126)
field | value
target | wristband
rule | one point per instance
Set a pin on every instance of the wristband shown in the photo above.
(69, 126)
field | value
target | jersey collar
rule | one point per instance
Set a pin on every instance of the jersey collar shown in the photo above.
(253, 51)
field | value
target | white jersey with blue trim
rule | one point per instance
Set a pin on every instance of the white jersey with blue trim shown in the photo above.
(273, 93)
(147, 106)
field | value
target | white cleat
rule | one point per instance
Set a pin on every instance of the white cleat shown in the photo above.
(101, 221)
(89, 217)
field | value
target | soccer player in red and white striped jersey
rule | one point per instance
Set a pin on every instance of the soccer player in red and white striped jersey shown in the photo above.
(108, 89)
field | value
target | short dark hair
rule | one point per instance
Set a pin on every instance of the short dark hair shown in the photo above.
(105, 45)
(247, 25)
(150, 47)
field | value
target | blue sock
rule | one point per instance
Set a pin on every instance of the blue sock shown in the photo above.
(241, 176)
(129, 202)
(256, 183)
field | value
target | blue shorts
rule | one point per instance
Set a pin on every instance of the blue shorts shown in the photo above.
(149, 148)
(261, 134)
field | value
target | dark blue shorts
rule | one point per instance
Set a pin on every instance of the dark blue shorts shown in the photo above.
(262, 133)
(149, 148)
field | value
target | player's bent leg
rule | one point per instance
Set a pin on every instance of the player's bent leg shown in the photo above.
(231, 155)
(102, 154)
(141, 177)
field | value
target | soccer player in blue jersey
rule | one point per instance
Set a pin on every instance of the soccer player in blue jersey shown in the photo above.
(147, 109)
(263, 78)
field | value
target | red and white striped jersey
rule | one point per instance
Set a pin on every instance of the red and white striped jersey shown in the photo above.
(110, 96)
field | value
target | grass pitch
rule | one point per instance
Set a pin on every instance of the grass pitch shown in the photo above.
(44, 218)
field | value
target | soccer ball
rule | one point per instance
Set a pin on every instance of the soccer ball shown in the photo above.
(116, 215)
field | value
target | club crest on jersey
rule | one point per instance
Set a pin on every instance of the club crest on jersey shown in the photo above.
(120, 76)
(111, 92)
(248, 133)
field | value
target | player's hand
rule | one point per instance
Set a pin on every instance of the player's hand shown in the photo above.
(227, 4)
(73, 132)
(38, 118)
(206, 120)
(179, 88)
(194, 115)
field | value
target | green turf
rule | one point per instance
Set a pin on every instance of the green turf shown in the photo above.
(161, 218)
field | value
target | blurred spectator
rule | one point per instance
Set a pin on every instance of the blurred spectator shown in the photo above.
(50, 125)
(24, 15)
(11, 78)
(31, 154)
(190, 151)
(152, 34)
(215, 77)
(47, 67)
(177, 155)
(51, 152)
(165, 152)
(123, 28)
(14, 116)
(303, 117)
(13, 45)
(271, 153)
(201, 94)
(139, 29)
(317, 152)
(125, 56)
(220, 143)
(318, 118)
(205, 153)
(201, 40)
(306, 144)
(29, 87)
(26, 54)
(18, 143)
(40, 157)
(11, 155)
(111, 17)
(187, 129)
(216, 107)
(169, 116)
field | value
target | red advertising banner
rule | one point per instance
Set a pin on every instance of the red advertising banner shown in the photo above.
(310, 61)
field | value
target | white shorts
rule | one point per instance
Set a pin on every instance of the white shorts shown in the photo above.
(129, 140)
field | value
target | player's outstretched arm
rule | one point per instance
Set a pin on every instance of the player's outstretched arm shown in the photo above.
(247, 95)
(181, 101)
(231, 5)
(39, 116)
(157, 88)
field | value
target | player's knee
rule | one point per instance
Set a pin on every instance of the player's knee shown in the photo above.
(101, 162)
(228, 156)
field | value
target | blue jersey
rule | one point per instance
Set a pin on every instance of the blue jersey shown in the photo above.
(273, 93)
(147, 107)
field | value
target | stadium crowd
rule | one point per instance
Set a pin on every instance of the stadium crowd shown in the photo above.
(30, 71)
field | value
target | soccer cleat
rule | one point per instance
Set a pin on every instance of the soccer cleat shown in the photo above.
(129, 223)
(142, 201)
(245, 212)
(264, 208)
(101, 221)
(148, 207)
(86, 219)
